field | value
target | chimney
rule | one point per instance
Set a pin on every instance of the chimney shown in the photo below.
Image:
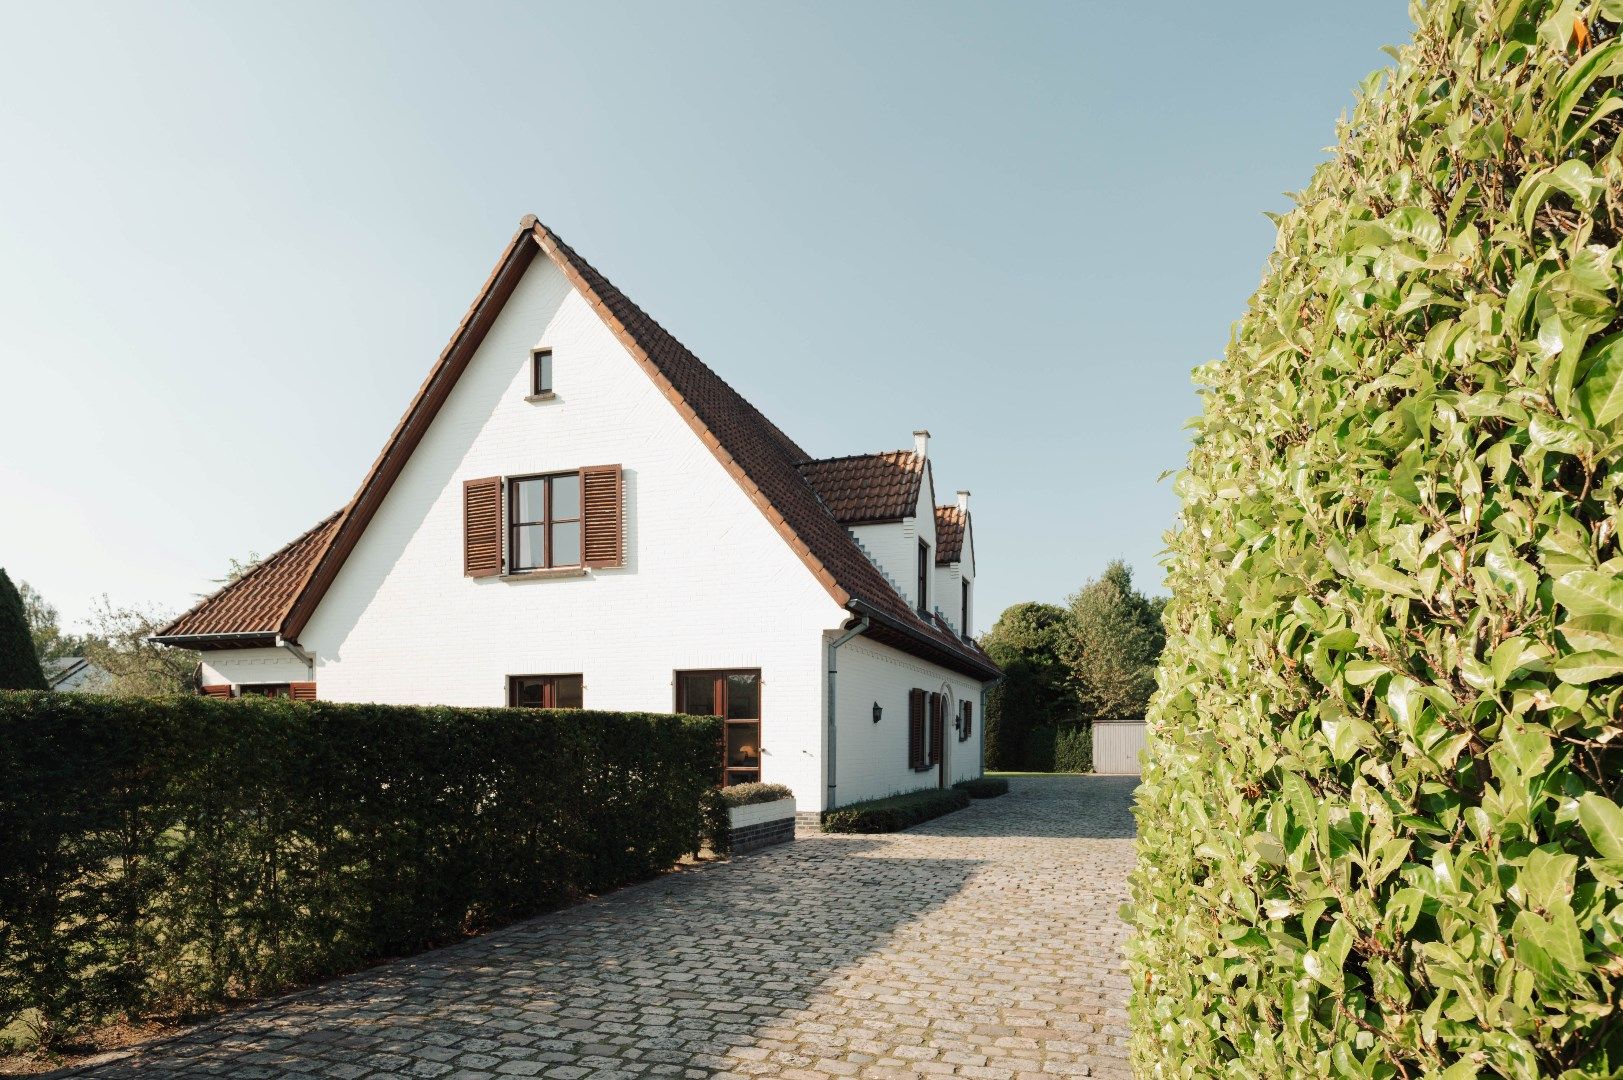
(921, 443)
(963, 501)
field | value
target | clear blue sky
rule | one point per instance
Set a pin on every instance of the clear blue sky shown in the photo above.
(234, 237)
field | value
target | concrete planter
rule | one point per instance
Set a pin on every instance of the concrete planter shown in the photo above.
(759, 825)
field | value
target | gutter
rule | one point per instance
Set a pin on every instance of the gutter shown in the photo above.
(253, 639)
(833, 673)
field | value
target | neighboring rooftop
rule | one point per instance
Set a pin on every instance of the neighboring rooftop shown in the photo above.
(276, 598)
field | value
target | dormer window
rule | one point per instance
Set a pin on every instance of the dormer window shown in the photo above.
(924, 578)
(540, 374)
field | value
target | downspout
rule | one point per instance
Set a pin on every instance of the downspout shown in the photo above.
(833, 673)
(309, 661)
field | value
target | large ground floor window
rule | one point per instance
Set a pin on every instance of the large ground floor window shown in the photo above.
(736, 697)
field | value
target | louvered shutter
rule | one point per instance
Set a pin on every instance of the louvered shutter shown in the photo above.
(915, 730)
(301, 691)
(482, 527)
(603, 516)
(222, 690)
(938, 724)
(969, 720)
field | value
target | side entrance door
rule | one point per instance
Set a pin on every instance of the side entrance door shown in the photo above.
(734, 695)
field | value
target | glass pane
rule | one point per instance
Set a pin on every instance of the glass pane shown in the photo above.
(527, 692)
(543, 372)
(566, 496)
(567, 690)
(743, 697)
(566, 544)
(744, 746)
(697, 694)
(743, 776)
(527, 546)
(527, 500)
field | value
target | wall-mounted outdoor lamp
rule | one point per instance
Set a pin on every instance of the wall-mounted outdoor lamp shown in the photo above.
(877, 712)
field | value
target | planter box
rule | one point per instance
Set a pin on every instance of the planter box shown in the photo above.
(761, 824)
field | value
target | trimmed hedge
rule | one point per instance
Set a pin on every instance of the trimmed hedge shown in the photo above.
(1067, 749)
(164, 853)
(983, 787)
(895, 812)
(1379, 825)
(750, 794)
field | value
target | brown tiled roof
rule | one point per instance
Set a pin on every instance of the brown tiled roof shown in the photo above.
(868, 487)
(765, 462)
(949, 534)
(258, 601)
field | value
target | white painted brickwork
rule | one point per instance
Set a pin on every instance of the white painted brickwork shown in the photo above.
(708, 583)
(893, 546)
(873, 757)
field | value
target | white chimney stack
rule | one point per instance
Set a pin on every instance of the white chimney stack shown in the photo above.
(921, 443)
(963, 501)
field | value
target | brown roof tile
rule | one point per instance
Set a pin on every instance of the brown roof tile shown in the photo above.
(764, 460)
(258, 601)
(868, 487)
(949, 534)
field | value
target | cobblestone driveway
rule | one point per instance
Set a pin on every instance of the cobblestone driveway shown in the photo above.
(983, 944)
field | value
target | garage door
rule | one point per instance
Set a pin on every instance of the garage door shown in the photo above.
(1116, 746)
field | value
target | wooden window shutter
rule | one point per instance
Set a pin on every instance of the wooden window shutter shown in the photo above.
(603, 514)
(916, 752)
(222, 690)
(969, 720)
(301, 691)
(482, 527)
(938, 724)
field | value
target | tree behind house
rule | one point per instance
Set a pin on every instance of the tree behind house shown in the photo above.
(19, 664)
(1028, 642)
(119, 645)
(45, 627)
(1116, 640)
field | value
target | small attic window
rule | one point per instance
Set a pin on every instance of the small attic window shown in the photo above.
(540, 373)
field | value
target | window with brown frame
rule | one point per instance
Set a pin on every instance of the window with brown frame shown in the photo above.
(964, 608)
(541, 372)
(545, 691)
(735, 696)
(265, 690)
(924, 578)
(544, 521)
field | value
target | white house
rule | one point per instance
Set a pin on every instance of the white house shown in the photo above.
(576, 512)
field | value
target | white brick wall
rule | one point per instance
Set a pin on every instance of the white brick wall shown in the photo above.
(873, 759)
(708, 582)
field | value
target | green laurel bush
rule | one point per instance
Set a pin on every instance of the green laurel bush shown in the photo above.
(163, 854)
(1379, 826)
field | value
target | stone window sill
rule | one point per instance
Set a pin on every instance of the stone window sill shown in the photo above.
(553, 572)
(548, 396)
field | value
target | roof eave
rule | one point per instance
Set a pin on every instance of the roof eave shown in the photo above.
(250, 639)
(925, 645)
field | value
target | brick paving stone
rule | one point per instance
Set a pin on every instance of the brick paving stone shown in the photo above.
(984, 944)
